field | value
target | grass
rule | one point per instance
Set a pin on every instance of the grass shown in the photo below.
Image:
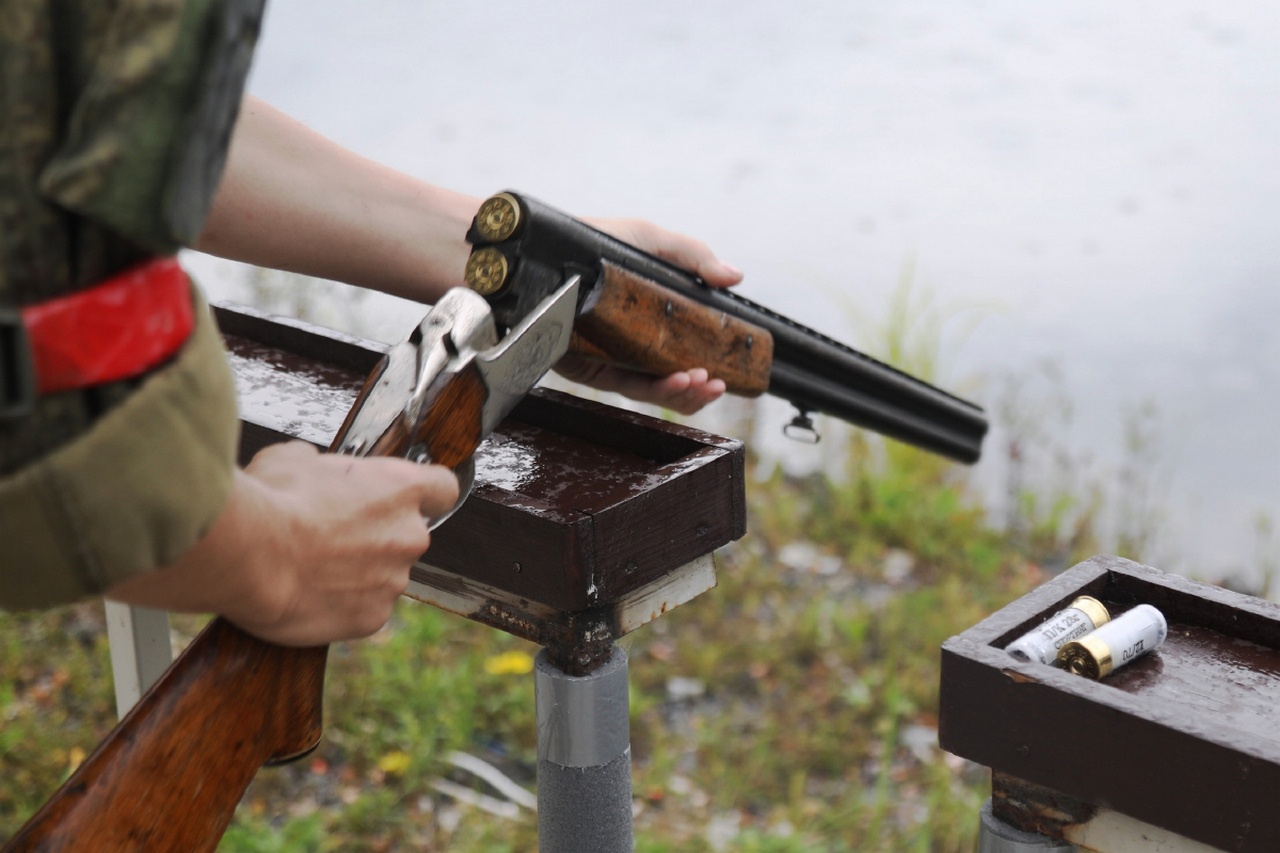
(794, 708)
(810, 725)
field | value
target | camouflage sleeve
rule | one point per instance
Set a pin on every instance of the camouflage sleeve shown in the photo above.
(147, 136)
(131, 494)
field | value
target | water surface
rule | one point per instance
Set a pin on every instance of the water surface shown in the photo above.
(1100, 181)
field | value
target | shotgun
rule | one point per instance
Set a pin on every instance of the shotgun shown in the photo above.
(154, 784)
(550, 285)
(638, 311)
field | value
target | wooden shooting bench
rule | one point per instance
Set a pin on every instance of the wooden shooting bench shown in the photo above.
(585, 523)
(1177, 752)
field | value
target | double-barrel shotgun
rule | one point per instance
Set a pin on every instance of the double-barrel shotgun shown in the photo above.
(541, 284)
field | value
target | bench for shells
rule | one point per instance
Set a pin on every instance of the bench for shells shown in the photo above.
(1178, 751)
(585, 523)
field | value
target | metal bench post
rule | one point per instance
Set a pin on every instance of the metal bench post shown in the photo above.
(140, 650)
(584, 757)
(996, 836)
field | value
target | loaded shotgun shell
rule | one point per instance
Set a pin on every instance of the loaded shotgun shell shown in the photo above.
(486, 271)
(498, 218)
(1120, 641)
(1041, 643)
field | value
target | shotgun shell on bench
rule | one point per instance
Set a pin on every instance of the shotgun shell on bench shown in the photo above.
(1041, 643)
(1120, 641)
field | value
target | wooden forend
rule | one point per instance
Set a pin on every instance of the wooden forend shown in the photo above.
(577, 505)
(1186, 739)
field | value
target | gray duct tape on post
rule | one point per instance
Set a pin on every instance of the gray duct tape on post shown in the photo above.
(583, 721)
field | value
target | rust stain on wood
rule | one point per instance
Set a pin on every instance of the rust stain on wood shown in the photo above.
(1020, 677)
(1035, 808)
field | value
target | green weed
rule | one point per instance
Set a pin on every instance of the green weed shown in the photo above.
(810, 725)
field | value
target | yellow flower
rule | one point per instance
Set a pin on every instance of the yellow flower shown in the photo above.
(510, 663)
(394, 763)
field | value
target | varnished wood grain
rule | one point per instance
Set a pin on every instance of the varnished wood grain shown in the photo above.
(451, 429)
(631, 322)
(168, 778)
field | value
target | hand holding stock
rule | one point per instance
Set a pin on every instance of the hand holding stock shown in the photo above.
(329, 540)
(157, 783)
(689, 388)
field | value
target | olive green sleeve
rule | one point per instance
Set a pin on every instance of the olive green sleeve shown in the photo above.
(131, 494)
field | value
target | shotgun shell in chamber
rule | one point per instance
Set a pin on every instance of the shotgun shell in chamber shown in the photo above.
(1120, 641)
(1041, 643)
(498, 218)
(486, 271)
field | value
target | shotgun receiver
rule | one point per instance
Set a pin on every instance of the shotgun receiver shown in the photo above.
(149, 785)
(638, 311)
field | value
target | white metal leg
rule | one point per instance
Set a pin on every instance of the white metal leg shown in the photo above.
(140, 650)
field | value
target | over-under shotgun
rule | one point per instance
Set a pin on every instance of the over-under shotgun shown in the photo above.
(168, 778)
(640, 311)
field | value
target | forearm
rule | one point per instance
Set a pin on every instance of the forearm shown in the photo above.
(291, 199)
(215, 572)
(310, 548)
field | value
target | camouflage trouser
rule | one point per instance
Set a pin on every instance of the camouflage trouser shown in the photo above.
(134, 492)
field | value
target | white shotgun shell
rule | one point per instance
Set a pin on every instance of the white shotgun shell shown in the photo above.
(1122, 640)
(1041, 643)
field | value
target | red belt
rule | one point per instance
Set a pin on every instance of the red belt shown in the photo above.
(129, 324)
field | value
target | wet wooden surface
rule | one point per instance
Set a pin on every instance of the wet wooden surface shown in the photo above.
(1186, 738)
(576, 504)
(1233, 682)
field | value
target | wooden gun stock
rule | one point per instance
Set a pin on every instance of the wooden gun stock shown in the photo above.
(168, 778)
(630, 322)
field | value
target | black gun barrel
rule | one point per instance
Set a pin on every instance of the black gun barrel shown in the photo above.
(811, 370)
(818, 374)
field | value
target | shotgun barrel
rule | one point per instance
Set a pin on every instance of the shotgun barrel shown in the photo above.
(523, 248)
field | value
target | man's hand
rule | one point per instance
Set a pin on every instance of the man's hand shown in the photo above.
(684, 252)
(686, 391)
(311, 548)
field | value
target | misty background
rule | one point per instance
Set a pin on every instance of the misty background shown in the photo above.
(1083, 197)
